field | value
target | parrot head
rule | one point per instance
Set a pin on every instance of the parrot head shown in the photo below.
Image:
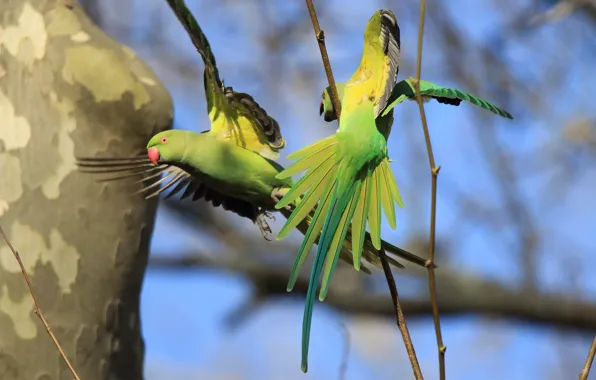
(327, 102)
(167, 146)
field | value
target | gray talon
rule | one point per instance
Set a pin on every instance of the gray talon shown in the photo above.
(269, 215)
(264, 226)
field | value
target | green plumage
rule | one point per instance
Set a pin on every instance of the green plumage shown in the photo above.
(346, 173)
(229, 165)
(405, 89)
(350, 185)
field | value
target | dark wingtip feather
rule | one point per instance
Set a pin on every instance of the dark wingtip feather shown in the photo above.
(269, 125)
(390, 40)
(453, 102)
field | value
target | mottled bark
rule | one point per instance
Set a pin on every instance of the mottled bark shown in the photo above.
(66, 90)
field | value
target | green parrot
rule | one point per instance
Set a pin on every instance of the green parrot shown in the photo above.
(204, 165)
(231, 165)
(234, 116)
(348, 174)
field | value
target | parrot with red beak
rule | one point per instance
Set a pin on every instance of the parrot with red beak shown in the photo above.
(231, 165)
(235, 117)
(202, 165)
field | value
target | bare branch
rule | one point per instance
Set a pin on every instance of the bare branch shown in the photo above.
(434, 170)
(321, 40)
(401, 321)
(37, 309)
(460, 294)
(586, 371)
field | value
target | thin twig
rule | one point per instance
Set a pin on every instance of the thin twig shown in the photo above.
(343, 366)
(586, 371)
(321, 40)
(37, 309)
(401, 320)
(430, 264)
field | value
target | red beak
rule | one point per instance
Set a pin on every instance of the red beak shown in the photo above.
(153, 155)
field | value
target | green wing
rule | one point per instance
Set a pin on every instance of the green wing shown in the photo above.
(405, 90)
(261, 133)
(199, 40)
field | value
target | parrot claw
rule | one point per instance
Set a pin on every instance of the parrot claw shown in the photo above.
(264, 226)
(277, 195)
(269, 215)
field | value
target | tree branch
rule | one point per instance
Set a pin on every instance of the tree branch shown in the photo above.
(37, 309)
(586, 371)
(459, 294)
(401, 320)
(326, 64)
(434, 170)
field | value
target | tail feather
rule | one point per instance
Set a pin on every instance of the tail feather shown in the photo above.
(311, 234)
(369, 253)
(341, 199)
(344, 203)
(310, 150)
(306, 182)
(338, 239)
(305, 206)
(315, 159)
(387, 199)
(390, 183)
(374, 211)
(359, 224)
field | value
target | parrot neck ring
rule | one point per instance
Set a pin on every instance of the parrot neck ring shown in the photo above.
(153, 155)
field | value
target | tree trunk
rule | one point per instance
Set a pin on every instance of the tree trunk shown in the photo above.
(68, 90)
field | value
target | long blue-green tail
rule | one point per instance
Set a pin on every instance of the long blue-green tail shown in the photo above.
(335, 228)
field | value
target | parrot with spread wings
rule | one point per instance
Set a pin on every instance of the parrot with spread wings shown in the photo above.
(231, 165)
(348, 174)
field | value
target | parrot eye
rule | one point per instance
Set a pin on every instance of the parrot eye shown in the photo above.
(164, 140)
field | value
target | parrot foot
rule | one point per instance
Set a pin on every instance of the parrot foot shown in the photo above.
(269, 215)
(263, 225)
(277, 195)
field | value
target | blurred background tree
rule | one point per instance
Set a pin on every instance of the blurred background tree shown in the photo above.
(515, 198)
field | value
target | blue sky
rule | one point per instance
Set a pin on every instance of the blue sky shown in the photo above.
(183, 313)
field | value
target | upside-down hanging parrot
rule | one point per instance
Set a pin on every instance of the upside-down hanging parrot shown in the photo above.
(228, 165)
(348, 173)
